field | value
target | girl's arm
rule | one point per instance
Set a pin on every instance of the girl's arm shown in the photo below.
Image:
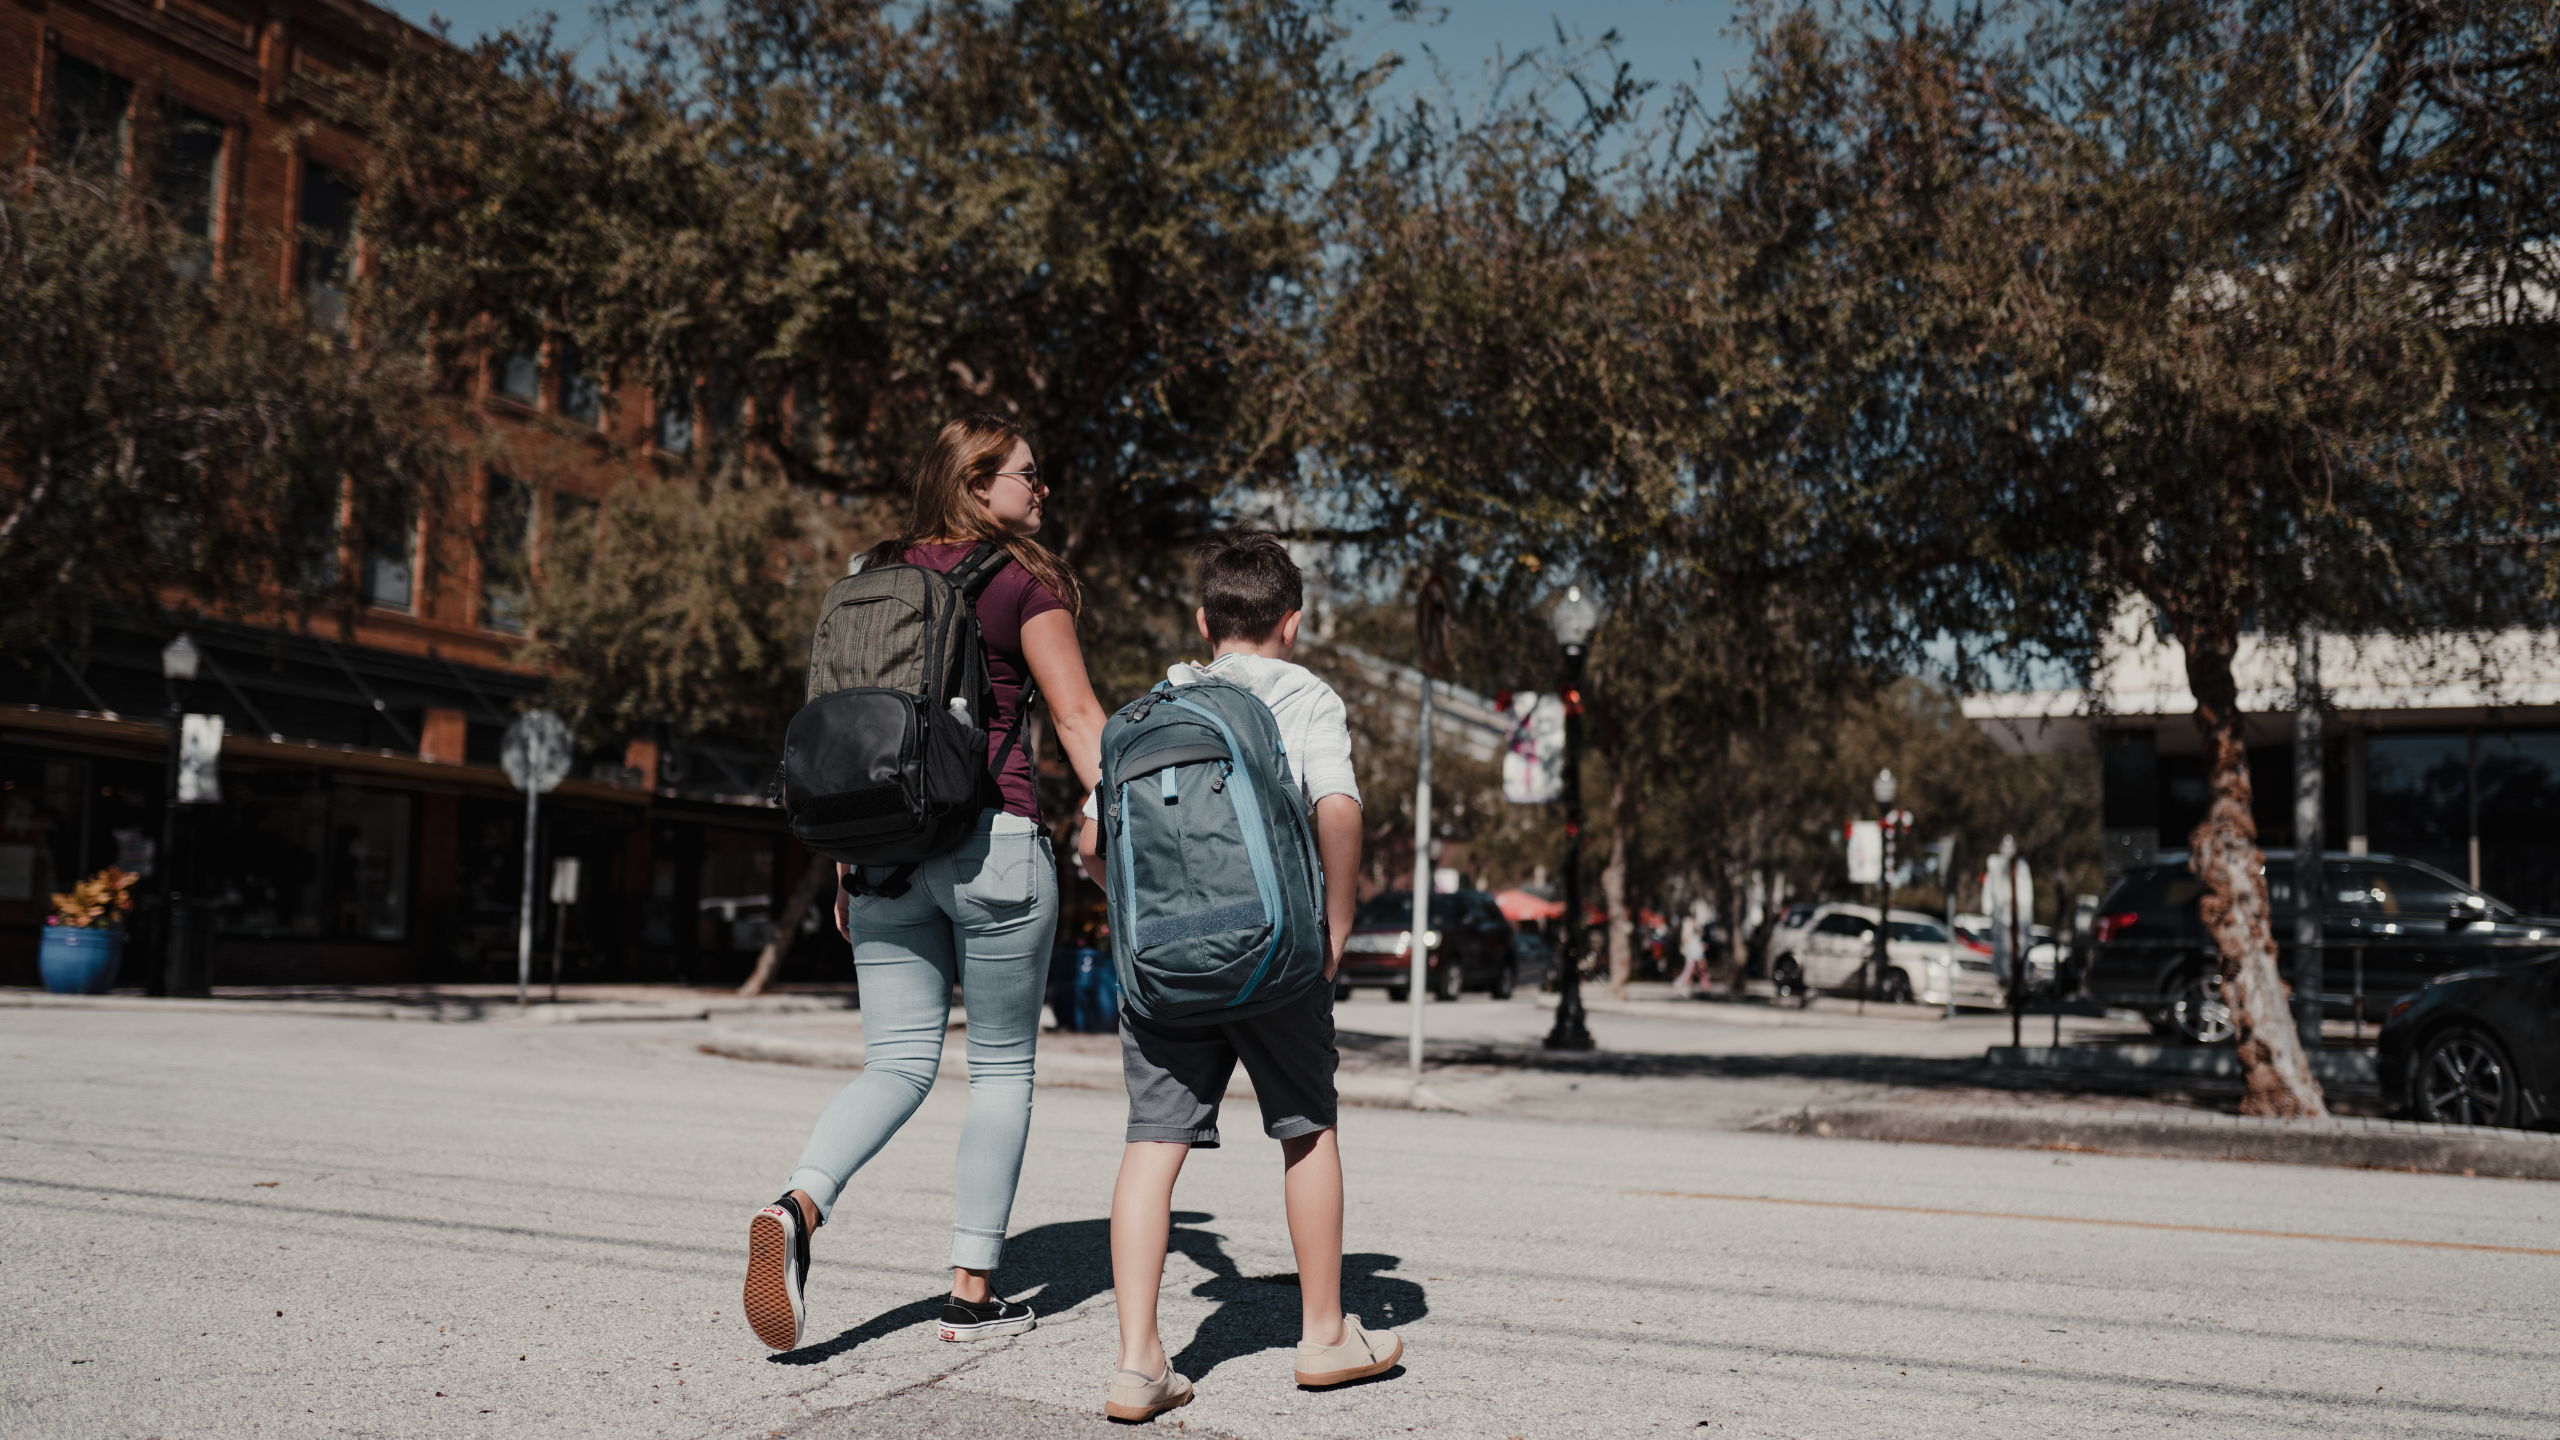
(1057, 663)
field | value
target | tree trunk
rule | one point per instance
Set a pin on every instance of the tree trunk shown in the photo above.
(817, 873)
(1613, 885)
(2224, 853)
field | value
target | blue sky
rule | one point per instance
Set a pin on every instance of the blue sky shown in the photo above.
(1667, 40)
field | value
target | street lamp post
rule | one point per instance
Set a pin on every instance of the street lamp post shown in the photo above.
(179, 974)
(1574, 620)
(1878, 961)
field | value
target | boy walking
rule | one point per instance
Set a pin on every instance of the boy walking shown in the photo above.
(1251, 596)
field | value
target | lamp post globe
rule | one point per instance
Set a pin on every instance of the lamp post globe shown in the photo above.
(1574, 618)
(1886, 787)
(178, 659)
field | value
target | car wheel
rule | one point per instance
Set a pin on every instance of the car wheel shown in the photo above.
(1787, 978)
(2462, 1078)
(2200, 1014)
(1399, 993)
(1446, 984)
(1341, 992)
(1506, 978)
(1895, 988)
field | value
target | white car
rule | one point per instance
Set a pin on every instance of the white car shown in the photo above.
(2044, 952)
(1825, 949)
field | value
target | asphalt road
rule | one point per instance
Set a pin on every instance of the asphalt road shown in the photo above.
(279, 1227)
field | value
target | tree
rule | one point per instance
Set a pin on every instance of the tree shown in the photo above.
(2253, 301)
(170, 439)
(827, 228)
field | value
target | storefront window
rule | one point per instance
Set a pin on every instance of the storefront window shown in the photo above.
(302, 860)
(2519, 781)
(2418, 796)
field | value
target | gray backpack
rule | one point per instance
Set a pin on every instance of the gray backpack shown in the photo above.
(1216, 896)
(886, 765)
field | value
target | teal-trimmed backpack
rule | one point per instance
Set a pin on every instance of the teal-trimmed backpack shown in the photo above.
(1216, 893)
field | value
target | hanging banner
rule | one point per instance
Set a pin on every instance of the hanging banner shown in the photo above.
(200, 760)
(1866, 852)
(1533, 750)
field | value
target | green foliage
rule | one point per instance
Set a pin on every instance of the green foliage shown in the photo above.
(683, 602)
(168, 439)
(847, 222)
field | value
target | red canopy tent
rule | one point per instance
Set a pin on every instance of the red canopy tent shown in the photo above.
(1518, 905)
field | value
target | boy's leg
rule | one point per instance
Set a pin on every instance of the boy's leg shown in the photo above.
(1141, 1229)
(1312, 1189)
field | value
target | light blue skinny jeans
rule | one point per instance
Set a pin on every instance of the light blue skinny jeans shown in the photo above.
(980, 916)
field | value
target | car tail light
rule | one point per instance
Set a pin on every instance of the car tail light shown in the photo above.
(2108, 927)
(1976, 946)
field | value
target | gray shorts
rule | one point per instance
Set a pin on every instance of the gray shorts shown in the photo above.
(1178, 1072)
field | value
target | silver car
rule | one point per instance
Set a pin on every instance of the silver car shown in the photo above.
(1826, 949)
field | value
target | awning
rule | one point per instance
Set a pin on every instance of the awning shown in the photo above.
(1518, 905)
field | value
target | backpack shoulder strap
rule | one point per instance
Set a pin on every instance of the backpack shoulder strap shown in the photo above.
(979, 568)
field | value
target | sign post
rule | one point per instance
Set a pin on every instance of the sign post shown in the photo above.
(1431, 625)
(535, 755)
(564, 894)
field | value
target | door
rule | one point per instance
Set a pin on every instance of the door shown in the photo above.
(2397, 915)
(1840, 943)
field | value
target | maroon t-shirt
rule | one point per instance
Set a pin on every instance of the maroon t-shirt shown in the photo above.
(1009, 599)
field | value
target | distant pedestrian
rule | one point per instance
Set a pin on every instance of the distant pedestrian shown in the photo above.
(1251, 594)
(1693, 956)
(979, 917)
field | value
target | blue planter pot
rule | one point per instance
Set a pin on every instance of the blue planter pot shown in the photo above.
(80, 962)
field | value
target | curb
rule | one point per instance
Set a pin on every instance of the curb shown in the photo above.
(2348, 1067)
(1064, 1071)
(2348, 1142)
(447, 1011)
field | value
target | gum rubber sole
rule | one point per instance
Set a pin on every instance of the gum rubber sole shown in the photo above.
(1319, 1381)
(770, 1312)
(1140, 1413)
(988, 1330)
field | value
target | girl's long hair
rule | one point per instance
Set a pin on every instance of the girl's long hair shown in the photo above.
(946, 509)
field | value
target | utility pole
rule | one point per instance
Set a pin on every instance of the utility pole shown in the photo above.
(2310, 979)
(1431, 651)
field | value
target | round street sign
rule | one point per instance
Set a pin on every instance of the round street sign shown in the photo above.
(535, 751)
(1431, 620)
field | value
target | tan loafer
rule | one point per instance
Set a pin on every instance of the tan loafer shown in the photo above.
(1361, 1354)
(1135, 1397)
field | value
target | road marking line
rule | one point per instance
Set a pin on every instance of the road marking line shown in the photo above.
(2119, 1224)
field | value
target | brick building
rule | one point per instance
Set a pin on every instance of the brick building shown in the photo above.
(366, 834)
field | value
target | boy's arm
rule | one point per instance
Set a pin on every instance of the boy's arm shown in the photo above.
(1338, 849)
(1089, 847)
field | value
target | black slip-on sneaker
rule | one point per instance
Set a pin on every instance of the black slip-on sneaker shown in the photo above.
(962, 1320)
(777, 1268)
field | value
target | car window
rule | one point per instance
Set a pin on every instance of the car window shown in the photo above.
(1844, 924)
(1484, 913)
(2164, 888)
(1389, 908)
(2415, 892)
(1918, 932)
(1444, 912)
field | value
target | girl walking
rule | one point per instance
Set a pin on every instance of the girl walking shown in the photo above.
(979, 917)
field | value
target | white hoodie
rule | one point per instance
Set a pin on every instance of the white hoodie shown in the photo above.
(1310, 716)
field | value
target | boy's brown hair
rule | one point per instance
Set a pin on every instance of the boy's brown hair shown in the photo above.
(1248, 584)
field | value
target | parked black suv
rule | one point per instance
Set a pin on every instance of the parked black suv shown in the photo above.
(2391, 926)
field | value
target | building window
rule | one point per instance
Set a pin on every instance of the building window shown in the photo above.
(92, 116)
(581, 396)
(391, 559)
(304, 861)
(506, 535)
(519, 376)
(675, 425)
(2418, 796)
(327, 266)
(187, 177)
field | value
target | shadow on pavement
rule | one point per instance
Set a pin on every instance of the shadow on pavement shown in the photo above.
(1059, 1267)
